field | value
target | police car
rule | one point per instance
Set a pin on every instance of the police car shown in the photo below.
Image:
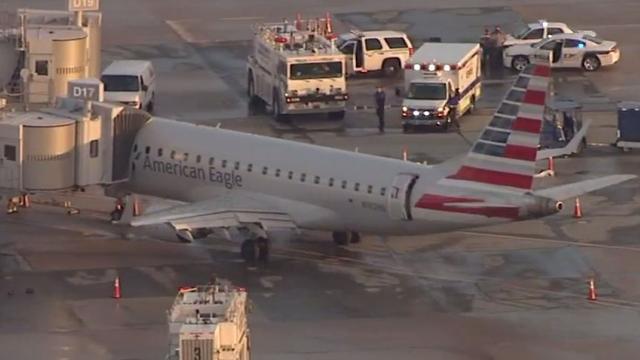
(542, 29)
(575, 50)
(385, 51)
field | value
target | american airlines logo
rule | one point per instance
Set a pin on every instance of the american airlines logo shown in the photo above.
(229, 179)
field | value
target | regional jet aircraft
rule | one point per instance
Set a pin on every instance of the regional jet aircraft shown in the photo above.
(257, 184)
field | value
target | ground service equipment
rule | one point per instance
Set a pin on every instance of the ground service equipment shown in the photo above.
(297, 69)
(209, 322)
(431, 76)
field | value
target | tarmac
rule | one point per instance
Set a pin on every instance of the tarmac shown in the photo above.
(516, 291)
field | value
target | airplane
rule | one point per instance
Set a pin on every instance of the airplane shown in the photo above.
(257, 184)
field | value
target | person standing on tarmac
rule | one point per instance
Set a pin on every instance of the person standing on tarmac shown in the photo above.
(380, 99)
(485, 45)
(498, 37)
(453, 108)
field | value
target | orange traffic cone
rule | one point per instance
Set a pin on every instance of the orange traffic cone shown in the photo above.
(116, 288)
(592, 290)
(26, 201)
(577, 209)
(405, 153)
(328, 25)
(298, 22)
(137, 209)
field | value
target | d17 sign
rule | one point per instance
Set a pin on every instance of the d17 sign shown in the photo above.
(84, 5)
(86, 89)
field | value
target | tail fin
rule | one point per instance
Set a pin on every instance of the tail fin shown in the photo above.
(504, 155)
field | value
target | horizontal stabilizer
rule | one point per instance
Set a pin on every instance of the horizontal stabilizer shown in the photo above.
(572, 190)
(570, 148)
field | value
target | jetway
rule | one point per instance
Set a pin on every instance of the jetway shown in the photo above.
(45, 50)
(75, 144)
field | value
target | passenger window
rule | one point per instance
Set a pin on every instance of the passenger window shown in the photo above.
(224, 163)
(344, 184)
(554, 31)
(330, 182)
(356, 187)
(93, 148)
(173, 155)
(10, 152)
(147, 150)
(290, 175)
(316, 180)
(372, 44)
(303, 177)
(396, 43)
(42, 67)
(348, 48)
(277, 172)
(369, 189)
(572, 43)
(160, 152)
(237, 165)
(250, 167)
(533, 35)
(550, 45)
(383, 191)
(211, 161)
(265, 170)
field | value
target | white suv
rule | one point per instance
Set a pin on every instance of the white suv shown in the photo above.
(385, 51)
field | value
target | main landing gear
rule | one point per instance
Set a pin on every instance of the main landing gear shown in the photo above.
(345, 237)
(255, 249)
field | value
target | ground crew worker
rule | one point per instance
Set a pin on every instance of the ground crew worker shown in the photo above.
(453, 102)
(486, 46)
(499, 38)
(568, 126)
(380, 98)
(116, 214)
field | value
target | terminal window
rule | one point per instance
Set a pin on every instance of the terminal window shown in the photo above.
(10, 152)
(93, 148)
(42, 67)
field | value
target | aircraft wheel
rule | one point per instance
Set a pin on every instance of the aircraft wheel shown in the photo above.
(341, 237)
(249, 250)
(263, 245)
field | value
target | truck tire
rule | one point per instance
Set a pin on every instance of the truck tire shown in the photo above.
(391, 67)
(519, 62)
(591, 63)
(277, 112)
(336, 115)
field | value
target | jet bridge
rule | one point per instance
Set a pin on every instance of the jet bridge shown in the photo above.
(75, 144)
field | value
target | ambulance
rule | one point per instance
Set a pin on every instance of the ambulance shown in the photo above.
(431, 77)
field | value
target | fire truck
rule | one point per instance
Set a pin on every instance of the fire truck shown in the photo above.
(209, 322)
(296, 68)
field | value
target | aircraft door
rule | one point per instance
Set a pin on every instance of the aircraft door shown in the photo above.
(358, 57)
(399, 197)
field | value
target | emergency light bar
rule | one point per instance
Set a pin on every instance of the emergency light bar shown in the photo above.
(431, 67)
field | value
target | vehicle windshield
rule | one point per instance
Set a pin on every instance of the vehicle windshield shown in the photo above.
(521, 31)
(120, 83)
(593, 39)
(320, 70)
(427, 91)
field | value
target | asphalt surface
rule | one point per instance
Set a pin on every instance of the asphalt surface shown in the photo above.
(502, 292)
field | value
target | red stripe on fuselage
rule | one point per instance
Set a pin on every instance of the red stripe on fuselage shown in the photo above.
(527, 125)
(493, 177)
(520, 152)
(534, 97)
(541, 70)
(447, 204)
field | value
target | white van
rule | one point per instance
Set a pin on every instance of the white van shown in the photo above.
(130, 82)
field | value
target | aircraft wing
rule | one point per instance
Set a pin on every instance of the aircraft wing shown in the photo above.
(568, 191)
(224, 211)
